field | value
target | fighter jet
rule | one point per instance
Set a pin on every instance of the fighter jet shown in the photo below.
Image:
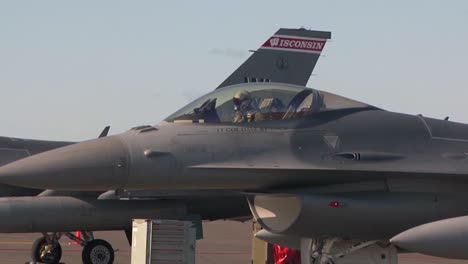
(330, 175)
(102, 210)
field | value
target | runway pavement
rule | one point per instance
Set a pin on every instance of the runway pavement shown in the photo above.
(225, 242)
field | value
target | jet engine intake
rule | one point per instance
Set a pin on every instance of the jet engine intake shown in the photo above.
(364, 215)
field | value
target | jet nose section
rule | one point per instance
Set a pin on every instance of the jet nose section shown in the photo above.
(99, 164)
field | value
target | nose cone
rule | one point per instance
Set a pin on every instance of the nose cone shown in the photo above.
(99, 164)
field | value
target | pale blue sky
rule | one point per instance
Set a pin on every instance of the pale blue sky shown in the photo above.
(68, 68)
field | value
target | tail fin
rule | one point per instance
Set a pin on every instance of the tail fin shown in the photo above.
(289, 56)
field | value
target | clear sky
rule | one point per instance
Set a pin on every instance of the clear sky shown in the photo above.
(68, 68)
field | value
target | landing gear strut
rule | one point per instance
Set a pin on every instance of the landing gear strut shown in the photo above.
(335, 251)
(47, 249)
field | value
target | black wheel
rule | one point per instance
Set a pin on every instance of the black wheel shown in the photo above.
(45, 252)
(98, 251)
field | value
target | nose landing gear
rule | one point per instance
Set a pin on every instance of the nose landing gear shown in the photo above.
(47, 249)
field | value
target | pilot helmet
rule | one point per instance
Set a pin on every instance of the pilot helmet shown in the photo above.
(241, 100)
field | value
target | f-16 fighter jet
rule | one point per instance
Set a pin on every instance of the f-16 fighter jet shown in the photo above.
(335, 177)
(102, 209)
(319, 170)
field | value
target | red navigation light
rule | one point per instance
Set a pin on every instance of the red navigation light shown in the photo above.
(334, 204)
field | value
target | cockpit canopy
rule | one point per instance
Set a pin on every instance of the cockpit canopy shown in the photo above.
(260, 102)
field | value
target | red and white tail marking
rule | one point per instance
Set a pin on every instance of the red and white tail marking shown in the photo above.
(295, 43)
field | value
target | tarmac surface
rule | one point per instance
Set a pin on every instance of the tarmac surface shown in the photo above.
(225, 242)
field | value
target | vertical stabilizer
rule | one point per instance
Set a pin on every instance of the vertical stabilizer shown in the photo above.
(289, 56)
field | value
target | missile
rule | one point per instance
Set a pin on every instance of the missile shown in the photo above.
(445, 238)
(60, 214)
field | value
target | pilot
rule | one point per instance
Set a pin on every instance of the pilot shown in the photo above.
(269, 108)
(243, 107)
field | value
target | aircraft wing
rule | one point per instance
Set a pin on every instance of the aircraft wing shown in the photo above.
(364, 178)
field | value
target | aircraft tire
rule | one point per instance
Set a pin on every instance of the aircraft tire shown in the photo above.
(39, 246)
(98, 251)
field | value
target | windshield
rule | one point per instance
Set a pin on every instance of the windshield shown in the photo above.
(260, 102)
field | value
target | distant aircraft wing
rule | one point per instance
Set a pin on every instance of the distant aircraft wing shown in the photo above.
(104, 132)
(289, 56)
